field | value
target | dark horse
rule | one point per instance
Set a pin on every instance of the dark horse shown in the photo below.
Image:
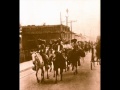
(59, 62)
(67, 54)
(74, 57)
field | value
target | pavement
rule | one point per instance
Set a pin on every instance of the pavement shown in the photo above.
(25, 66)
(86, 79)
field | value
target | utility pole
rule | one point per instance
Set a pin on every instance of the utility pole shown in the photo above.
(71, 28)
(61, 19)
(61, 25)
(90, 34)
(66, 17)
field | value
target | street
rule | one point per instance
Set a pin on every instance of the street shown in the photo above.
(86, 79)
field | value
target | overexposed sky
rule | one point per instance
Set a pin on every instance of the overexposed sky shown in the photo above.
(85, 12)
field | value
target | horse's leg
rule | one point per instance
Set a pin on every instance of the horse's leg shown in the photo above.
(50, 63)
(42, 72)
(76, 69)
(40, 75)
(37, 76)
(47, 74)
(79, 64)
(56, 75)
(37, 69)
(98, 61)
(83, 59)
(72, 67)
(54, 69)
(80, 61)
(50, 68)
(61, 71)
(65, 66)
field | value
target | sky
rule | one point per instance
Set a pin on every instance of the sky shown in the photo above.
(86, 13)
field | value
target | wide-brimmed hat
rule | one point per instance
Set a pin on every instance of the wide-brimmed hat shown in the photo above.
(74, 40)
(40, 41)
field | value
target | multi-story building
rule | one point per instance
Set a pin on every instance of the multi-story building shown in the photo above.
(30, 34)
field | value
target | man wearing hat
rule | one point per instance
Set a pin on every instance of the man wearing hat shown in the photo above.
(76, 48)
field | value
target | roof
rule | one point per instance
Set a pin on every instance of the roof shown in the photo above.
(45, 26)
(33, 29)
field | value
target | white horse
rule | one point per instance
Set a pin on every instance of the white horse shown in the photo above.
(39, 64)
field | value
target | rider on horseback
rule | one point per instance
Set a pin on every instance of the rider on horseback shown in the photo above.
(76, 48)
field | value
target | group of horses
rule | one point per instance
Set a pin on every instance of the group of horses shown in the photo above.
(54, 60)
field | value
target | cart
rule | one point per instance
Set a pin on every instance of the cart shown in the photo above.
(93, 59)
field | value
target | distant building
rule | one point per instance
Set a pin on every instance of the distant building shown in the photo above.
(31, 33)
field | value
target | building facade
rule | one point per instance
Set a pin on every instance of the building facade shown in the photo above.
(30, 34)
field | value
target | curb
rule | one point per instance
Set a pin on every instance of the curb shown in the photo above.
(26, 69)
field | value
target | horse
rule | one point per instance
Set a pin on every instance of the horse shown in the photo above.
(67, 49)
(46, 62)
(67, 67)
(39, 64)
(59, 62)
(74, 56)
(81, 53)
(50, 56)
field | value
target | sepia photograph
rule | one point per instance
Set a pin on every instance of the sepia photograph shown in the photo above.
(59, 45)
